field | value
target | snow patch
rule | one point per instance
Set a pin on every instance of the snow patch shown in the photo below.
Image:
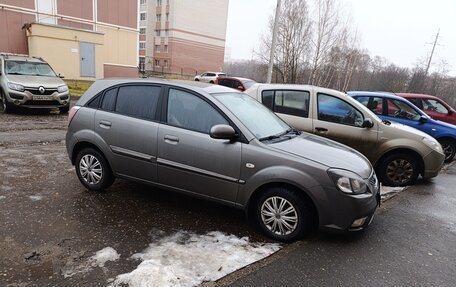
(35, 197)
(387, 191)
(188, 259)
(104, 255)
(2, 197)
(99, 259)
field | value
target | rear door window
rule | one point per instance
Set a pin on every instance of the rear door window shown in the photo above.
(295, 103)
(138, 101)
(109, 100)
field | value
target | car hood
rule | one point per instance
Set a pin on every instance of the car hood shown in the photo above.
(405, 131)
(36, 81)
(326, 152)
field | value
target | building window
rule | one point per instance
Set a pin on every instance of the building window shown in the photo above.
(159, 17)
(166, 33)
(157, 48)
(165, 63)
(142, 31)
(142, 60)
(159, 2)
(167, 16)
(142, 2)
(167, 2)
(165, 48)
(157, 63)
(157, 33)
(142, 45)
(47, 7)
(142, 16)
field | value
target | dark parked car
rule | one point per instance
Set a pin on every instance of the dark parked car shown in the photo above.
(394, 108)
(216, 143)
(237, 83)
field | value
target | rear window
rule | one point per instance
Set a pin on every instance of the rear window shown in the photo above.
(138, 101)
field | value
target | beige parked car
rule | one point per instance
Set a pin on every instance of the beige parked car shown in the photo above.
(398, 152)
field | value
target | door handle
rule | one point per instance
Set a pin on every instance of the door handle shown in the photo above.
(321, 129)
(171, 139)
(105, 124)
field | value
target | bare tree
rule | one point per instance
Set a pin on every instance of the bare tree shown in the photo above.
(294, 30)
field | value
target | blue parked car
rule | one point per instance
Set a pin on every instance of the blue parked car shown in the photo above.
(390, 107)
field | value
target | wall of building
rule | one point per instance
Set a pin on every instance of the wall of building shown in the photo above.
(116, 44)
(60, 48)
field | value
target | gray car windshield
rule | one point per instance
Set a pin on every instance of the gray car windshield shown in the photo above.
(258, 119)
(28, 68)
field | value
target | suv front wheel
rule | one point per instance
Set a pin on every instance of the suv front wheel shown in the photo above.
(283, 215)
(93, 170)
(6, 106)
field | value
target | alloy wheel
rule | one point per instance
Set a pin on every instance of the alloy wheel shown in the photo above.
(90, 169)
(448, 149)
(279, 215)
(399, 171)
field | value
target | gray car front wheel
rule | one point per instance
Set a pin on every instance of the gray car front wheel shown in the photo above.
(283, 215)
(93, 170)
(6, 106)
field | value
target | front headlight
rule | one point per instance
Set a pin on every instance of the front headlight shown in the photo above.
(16, 87)
(62, 88)
(347, 181)
(433, 144)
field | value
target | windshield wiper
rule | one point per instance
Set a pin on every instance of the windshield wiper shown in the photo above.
(386, 122)
(290, 130)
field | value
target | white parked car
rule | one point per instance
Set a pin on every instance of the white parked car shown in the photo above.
(209, 77)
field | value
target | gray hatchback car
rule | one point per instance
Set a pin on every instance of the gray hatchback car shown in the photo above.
(216, 143)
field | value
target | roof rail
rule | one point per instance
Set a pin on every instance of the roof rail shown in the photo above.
(6, 55)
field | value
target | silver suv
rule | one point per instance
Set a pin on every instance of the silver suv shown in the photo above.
(30, 82)
(216, 143)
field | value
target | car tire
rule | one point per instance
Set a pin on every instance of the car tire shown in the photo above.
(93, 170)
(211, 82)
(398, 169)
(7, 107)
(197, 80)
(299, 213)
(449, 148)
(64, 110)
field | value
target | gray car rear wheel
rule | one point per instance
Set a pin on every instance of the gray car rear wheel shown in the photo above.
(283, 215)
(93, 170)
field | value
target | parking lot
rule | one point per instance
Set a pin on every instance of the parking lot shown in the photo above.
(50, 224)
(52, 228)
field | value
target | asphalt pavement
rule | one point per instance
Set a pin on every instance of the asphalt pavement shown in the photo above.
(411, 242)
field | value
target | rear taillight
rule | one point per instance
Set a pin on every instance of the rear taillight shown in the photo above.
(72, 113)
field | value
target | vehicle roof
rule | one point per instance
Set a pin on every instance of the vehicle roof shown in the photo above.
(22, 58)
(239, 78)
(375, 94)
(420, 96)
(103, 84)
(296, 87)
(213, 72)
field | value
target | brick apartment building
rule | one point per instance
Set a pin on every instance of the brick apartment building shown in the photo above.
(82, 39)
(182, 36)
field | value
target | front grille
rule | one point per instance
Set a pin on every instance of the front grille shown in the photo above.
(42, 103)
(47, 92)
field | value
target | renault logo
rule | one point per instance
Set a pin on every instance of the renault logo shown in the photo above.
(41, 90)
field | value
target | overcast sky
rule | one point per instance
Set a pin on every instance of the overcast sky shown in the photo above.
(399, 30)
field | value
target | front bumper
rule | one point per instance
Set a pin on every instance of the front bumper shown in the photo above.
(433, 163)
(345, 212)
(28, 99)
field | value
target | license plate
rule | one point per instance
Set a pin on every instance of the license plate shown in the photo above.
(42, 98)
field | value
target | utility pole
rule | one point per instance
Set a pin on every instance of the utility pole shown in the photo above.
(432, 53)
(274, 39)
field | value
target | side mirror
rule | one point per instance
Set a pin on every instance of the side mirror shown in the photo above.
(423, 119)
(61, 76)
(450, 112)
(240, 88)
(222, 132)
(367, 123)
